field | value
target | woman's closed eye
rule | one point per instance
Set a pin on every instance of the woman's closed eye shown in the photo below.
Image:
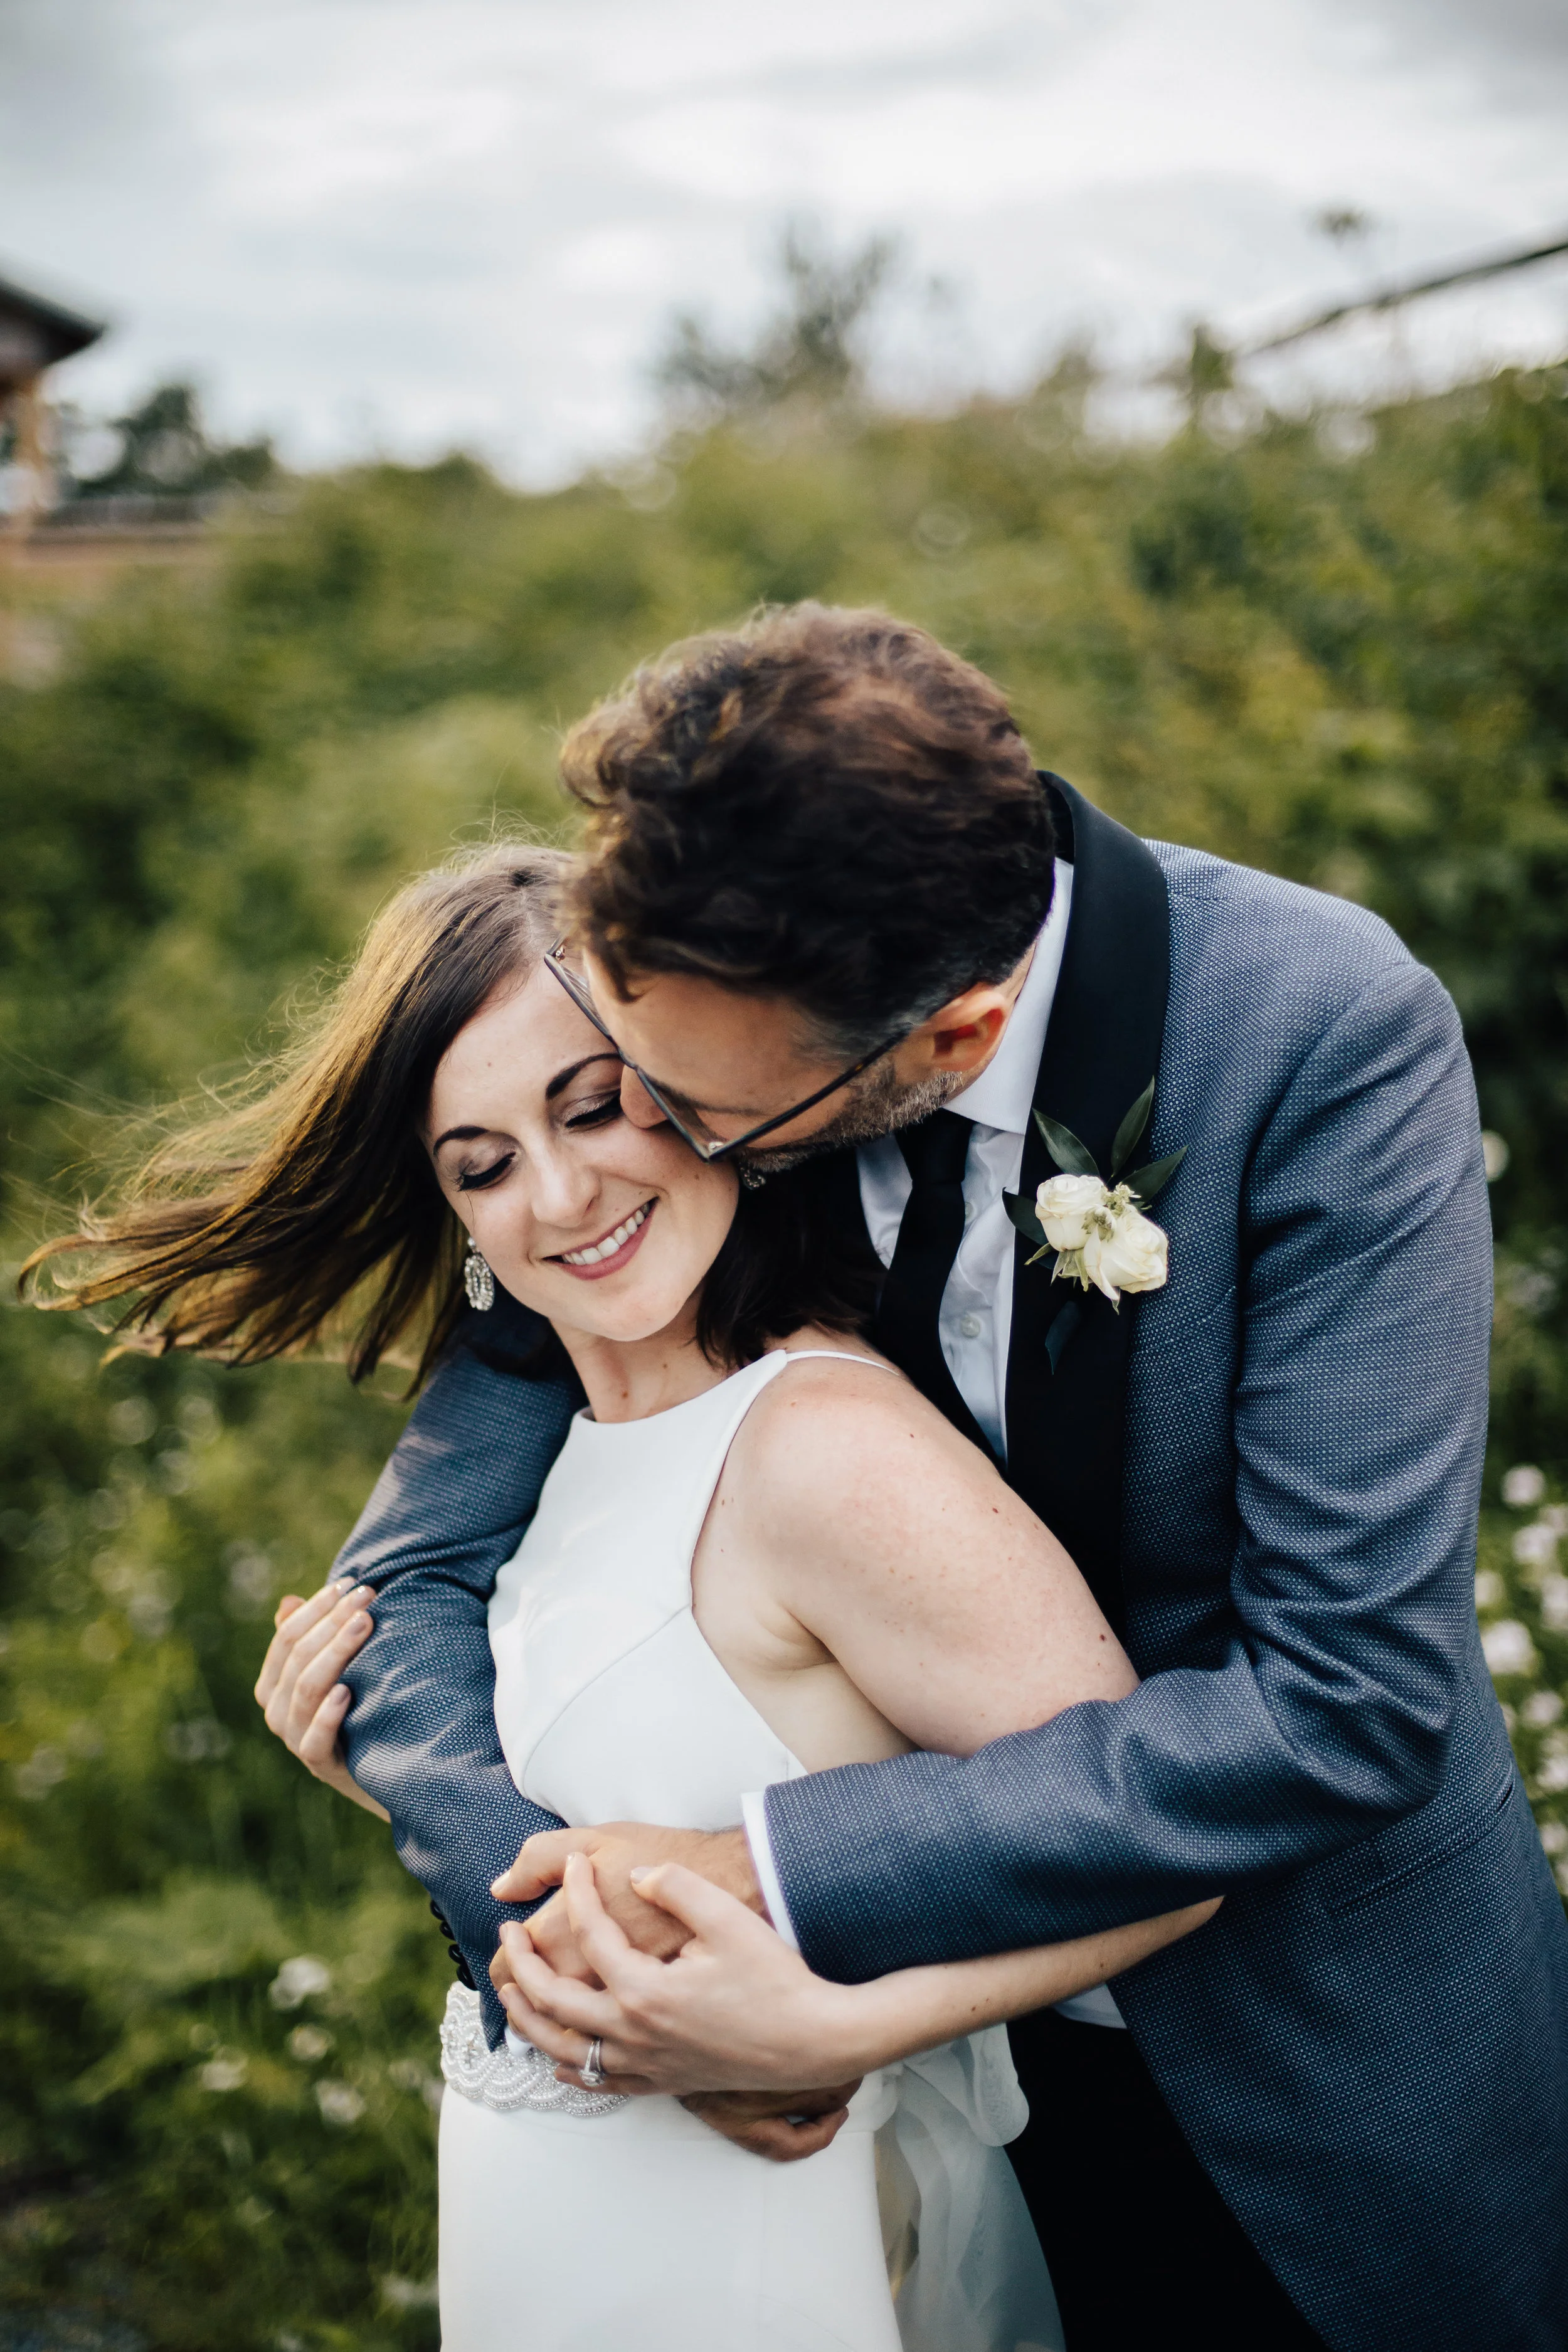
(476, 1179)
(580, 1118)
(597, 1111)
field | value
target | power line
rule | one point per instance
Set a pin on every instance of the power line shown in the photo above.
(1389, 298)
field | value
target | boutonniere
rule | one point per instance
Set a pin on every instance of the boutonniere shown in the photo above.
(1098, 1229)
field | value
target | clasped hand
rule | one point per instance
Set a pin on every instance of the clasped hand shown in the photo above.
(305, 1702)
(707, 2004)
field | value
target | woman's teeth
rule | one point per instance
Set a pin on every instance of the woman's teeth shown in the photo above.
(611, 1243)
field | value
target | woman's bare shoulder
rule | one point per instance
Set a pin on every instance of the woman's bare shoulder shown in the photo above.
(830, 1439)
(836, 1380)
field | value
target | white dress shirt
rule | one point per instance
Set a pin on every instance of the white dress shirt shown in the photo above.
(976, 1319)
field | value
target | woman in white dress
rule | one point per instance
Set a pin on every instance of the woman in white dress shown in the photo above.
(760, 1552)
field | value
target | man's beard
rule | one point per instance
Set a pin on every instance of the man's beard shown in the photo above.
(873, 1105)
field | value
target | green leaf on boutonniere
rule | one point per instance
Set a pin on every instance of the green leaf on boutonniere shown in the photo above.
(1149, 1182)
(1130, 1134)
(1073, 1158)
(1022, 1213)
(1023, 1216)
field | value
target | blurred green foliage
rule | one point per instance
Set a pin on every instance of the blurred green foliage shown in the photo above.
(1337, 648)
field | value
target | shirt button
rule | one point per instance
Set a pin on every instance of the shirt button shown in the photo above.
(969, 1213)
(969, 1326)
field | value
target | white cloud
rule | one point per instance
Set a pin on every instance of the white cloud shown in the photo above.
(465, 220)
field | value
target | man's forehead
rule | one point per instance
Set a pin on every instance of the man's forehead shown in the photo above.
(688, 1006)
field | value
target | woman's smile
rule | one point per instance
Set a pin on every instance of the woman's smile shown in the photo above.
(612, 1250)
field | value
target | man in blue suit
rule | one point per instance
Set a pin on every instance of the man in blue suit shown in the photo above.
(1338, 2114)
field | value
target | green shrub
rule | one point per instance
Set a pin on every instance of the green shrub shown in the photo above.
(1352, 669)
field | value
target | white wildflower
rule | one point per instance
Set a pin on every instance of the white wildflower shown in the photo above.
(1535, 1546)
(1509, 1648)
(1554, 1603)
(297, 1980)
(339, 2103)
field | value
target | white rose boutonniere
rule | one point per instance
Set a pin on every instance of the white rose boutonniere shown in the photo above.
(1098, 1230)
(1100, 1235)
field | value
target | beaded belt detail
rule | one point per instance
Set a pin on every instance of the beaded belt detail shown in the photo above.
(516, 2075)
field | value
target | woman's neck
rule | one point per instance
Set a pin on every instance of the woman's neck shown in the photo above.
(628, 1380)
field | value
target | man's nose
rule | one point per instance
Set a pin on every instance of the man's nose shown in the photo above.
(563, 1188)
(638, 1103)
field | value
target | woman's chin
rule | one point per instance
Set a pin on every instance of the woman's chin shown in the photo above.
(595, 1310)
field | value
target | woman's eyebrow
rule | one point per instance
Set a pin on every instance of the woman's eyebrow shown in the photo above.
(561, 1079)
(565, 1078)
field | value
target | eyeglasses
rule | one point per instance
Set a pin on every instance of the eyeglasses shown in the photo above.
(706, 1146)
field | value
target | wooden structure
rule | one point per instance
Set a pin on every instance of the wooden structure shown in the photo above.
(35, 336)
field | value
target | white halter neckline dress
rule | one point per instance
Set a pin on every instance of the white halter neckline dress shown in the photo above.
(604, 2224)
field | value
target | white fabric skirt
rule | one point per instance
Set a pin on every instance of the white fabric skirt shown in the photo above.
(642, 2228)
(638, 2226)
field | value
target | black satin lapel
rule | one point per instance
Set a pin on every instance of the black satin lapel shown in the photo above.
(1064, 1428)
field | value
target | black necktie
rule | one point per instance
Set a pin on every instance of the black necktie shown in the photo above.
(906, 1327)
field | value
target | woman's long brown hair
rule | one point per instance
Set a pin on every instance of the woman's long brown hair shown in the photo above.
(246, 1235)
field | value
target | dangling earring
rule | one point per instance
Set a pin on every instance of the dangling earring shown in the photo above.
(478, 1281)
(753, 1179)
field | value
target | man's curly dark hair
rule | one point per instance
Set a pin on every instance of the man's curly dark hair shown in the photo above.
(822, 804)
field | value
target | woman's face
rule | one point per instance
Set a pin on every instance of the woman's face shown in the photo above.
(605, 1227)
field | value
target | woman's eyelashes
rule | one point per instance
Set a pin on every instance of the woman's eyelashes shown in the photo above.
(475, 1179)
(597, 1112)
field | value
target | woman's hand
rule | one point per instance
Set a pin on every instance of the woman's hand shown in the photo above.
(298, 1691)
(782, 2126)
(735, 2011)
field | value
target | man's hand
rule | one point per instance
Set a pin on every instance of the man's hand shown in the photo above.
(297, 1689)
(735, 2010)
(615, 1849)
(782, 2126)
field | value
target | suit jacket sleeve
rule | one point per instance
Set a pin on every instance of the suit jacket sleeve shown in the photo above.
(446, 1514)
(1323, 1706)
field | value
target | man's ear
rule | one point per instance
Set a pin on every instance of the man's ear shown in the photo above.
(959, 1038)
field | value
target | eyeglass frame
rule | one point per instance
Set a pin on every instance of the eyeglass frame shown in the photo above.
(712, 1151)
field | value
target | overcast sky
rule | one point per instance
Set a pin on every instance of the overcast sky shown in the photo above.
(411, 224)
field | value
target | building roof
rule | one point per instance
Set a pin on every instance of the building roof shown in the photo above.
(36, 333)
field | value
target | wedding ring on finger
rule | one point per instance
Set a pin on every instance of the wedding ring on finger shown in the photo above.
(591, 2073)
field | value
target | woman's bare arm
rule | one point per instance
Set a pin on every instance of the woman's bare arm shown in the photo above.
(955, 1613)
(736, 2010)
(858, 1520)
(917, 2009)
(855, 1535)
